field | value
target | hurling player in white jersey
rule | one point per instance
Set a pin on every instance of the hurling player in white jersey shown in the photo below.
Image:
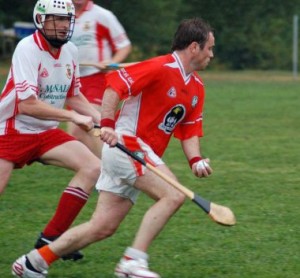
(43, 77)
(171, 83)
(100, 38)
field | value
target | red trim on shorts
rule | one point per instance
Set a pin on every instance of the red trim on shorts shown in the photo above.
(131, 143)
(24, 149)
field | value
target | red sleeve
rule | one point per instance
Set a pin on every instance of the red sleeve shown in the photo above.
(129, 81)
(186, 131)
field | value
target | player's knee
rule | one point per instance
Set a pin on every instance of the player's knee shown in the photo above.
(180, 199)
(176, 199)
(104, 232)
(92, 170)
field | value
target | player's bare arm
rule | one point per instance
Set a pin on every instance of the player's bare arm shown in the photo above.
(81, 105)
(110, 103)
(121, 54)
(38, 109)
(118, 57)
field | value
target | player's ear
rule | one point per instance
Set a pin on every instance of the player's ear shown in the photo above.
(194, 47)
(38, 18)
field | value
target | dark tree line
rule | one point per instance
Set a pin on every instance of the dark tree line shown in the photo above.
(249, 34)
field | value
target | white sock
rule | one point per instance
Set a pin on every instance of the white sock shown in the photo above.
(37, 260)
(135, 254)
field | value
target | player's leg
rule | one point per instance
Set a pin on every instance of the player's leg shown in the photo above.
(75, 156)
(6, 168)
(15, 151)
(168, 201)
(87, 138)
(110, 211)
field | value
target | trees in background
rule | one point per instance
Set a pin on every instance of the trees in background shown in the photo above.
(15, 10)
(253, 34)
(250, 34)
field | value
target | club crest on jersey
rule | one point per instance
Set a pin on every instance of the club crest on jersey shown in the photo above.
(175, 115)
(69, 72)
(194, 101)
(86, 26)
(44, 73)
(172, 92)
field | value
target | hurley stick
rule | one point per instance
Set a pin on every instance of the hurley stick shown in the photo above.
(219, 214)
(108, 67)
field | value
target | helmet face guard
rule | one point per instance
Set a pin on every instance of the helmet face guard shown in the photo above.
(54, 11)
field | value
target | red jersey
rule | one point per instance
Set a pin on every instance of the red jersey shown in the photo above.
(159, 99)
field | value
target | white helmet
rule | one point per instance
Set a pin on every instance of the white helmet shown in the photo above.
(57, 8)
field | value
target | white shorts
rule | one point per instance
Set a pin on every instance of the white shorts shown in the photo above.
(119, 171)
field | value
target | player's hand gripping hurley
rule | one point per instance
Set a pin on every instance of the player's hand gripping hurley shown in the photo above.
(219, 214)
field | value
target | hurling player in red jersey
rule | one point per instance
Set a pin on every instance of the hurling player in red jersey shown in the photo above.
(161, 97)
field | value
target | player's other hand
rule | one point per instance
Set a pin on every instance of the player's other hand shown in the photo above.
(104, 66)
(109, 136)
(85, 122)
(202, 168)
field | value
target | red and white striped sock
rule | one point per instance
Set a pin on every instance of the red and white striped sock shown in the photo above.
(71, 202)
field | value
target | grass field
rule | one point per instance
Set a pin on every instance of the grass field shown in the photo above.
(252, 138)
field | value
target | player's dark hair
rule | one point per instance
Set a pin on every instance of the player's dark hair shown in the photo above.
(191, 30)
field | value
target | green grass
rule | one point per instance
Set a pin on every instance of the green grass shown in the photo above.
(252, 138)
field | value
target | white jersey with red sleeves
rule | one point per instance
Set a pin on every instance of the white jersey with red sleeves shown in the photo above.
(97, 34)
(36, 72)
(160, 99)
